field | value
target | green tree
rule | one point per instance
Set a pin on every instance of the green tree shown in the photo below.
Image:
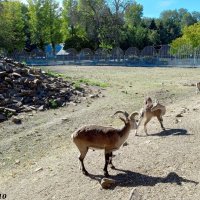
(12, 35)
(44, 22)
(171, 24)
(152, 25)
(186, 18)
(54, 22)
(154, 37)
(133, 14)
(70, 19)
(196, 15)
(91, 14)
(191, 37)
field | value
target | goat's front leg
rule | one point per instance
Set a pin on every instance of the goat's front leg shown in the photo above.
(107, 156)
(110, 161)
(83, 153)
(145, 125)
(139, 122)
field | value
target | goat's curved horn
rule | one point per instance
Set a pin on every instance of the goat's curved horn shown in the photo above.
(123, 112)
(156, 101)
(132, 115)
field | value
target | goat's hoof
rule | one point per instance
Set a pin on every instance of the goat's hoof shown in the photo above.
(85, 173)
(106, 174)
(112, 167)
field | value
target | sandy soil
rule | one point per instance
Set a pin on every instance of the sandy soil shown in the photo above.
(39, 161)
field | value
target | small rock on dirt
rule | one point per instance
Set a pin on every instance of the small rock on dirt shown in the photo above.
(38, 169)
(17, 162)
(125, 144)
(107, 183)
(41, 108)
(177, 121)
(92, 96)
(179, 115)
(16, 120)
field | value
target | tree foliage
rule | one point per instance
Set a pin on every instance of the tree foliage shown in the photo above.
(190, 37)
(91, 24)
(44, 22)
(12, 35)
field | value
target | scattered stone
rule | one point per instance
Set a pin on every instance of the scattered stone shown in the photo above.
(17, 162)
(16, 120)
(2, 117)
(124, 91)
(65, 119)
(41, 108)
(107, 183)
(16, 75)
(38, 169)
(92, 96)
(177, 121)
(125, 144)
(10, 110)
(24, 89)
(179, 115)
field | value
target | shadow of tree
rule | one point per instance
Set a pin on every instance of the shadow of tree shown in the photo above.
(132, 179)
(174, 132)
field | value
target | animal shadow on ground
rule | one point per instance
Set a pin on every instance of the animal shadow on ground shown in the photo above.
(133, 179)
(168, 132)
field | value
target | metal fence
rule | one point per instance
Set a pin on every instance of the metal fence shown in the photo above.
(149, 56)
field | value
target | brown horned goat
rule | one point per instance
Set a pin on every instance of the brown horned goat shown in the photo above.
(151, 110)
(108, 139)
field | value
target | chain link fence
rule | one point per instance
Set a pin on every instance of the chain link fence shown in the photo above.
(148, 56)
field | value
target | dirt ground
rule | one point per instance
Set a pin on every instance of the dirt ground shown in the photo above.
(38, 161)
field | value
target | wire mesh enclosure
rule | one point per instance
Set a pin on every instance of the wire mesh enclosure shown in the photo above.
(117, 55)
(86, 54)
(149, 55)
(101, 55)
(162, 55)
(132, 56)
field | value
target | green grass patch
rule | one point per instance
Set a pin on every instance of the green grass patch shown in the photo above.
(77, 81)
(53, 103)
(77, 86)
(93, 83)
(55, 74)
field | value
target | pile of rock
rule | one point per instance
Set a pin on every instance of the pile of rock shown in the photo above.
(24, 89)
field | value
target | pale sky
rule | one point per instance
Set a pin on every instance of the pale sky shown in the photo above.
(153, 8)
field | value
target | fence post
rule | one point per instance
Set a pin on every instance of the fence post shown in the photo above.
(194, 57)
